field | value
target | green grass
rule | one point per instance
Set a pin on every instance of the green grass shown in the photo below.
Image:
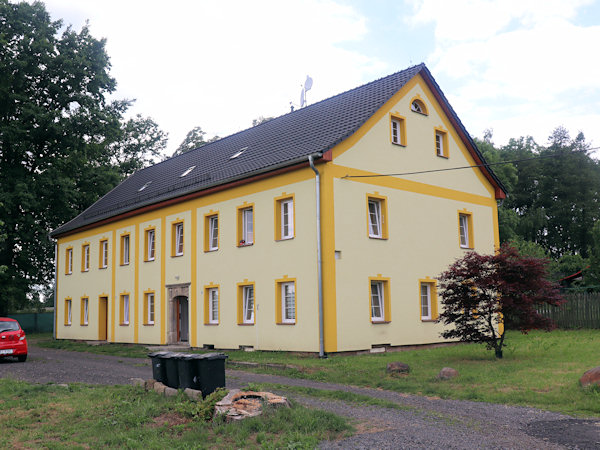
(538, 369)
(51, 416)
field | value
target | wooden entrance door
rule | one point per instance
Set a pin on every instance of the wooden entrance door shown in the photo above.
(102, 318)
(182, 319)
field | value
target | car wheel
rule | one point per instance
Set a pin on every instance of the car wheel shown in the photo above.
(22, 358)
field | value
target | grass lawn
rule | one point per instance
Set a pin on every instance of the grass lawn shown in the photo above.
(538, 369)
(83, 416)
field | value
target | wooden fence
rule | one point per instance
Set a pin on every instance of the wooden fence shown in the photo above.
(582, 310)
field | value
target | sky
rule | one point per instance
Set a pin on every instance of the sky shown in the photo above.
(517, 67)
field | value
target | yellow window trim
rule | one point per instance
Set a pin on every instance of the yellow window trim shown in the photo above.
(173, 237)
(417, 98)
(240, 224)
(444, 134)
(82, 311)
(145, 310)
(433, 299)
(68, 259)
(207, 287)
(68, 302)
(277, 225)
(207, 218)
(83, 247)
(146, 249)
(100, 261)
(122, 246)
(384, 215)
(387, 307)
(402, 125)
(469, 215)
(240, 302)
(278, 301)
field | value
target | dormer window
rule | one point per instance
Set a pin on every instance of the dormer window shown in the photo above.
(418, 106)
(187, 171)
(145, 186)
(235, 155)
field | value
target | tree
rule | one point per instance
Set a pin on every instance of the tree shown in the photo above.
(592, 275)
(483, 295)
(63, 144)
(194, 139)
(260, 119)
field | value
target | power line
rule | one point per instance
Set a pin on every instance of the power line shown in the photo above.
(457, 168)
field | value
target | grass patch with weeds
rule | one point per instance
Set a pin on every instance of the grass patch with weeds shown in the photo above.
(36, 415)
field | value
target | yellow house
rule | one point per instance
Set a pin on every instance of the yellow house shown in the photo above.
(322, 230)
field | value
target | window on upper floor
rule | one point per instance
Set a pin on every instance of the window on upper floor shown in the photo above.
(211, 232)
(177, 239)
(245, 225)
(150, 244)
(377, 216)
(398, 129)
(84, 310)
(85, 257)
(69, 261)
(103, 263)
(465, 229)
(284, 218)
(441, 143)
(380, 300)
(418, 106)
(124, 249)
(428, 299)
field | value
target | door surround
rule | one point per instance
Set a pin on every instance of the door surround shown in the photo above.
(174, 291)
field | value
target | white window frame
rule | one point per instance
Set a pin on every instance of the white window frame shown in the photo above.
(104, 251)
(86, 310)
(213, 232)
(150, 311)
(86, 257)
(69, 303)
(70, 260)
(375, 219)
(287, 219)
(248, 226)
(288, 302)
(125, 249)
(213, 305)
(248, 304)
(151, 242)
(179, 239)
(396, 129)
(439, 143)
(425, 301)
(125, 300)
(463, 220)
(377, 301)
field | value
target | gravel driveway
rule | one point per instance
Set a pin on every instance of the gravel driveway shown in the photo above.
(421, 422)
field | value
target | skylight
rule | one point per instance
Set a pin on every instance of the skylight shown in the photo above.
(235, 155)
(187, 171)
(145, 186)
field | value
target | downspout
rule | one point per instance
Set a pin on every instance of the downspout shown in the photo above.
(319, 256)
(55, 286)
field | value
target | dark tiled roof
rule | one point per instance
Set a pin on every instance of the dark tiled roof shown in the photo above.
(280, 142)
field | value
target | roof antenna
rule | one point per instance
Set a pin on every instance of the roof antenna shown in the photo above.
(307, 85)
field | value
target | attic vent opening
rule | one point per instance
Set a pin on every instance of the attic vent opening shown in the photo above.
(235, 155)
(187, 171)
(145, 186)
(419, 107)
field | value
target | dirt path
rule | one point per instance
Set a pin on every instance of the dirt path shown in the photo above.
(418, 422)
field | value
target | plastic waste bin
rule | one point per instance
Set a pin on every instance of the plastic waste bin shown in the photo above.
(158, 366)
(211, 371)
(171, 361)
(188, 372)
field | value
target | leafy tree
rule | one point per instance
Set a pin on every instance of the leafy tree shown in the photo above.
(62, 143)
(592, 275)
(260, 119)
(481, 292)
(194, 139)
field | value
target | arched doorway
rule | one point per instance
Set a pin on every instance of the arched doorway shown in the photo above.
(178, 313)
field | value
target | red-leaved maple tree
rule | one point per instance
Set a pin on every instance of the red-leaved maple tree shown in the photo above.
(480, 292)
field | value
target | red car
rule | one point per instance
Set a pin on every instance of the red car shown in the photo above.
(12, 339)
